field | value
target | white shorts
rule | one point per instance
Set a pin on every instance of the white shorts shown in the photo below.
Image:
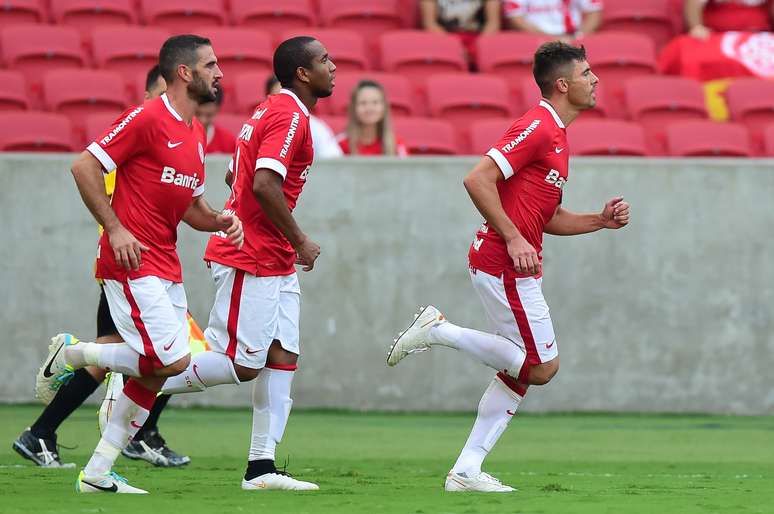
(150, 314)
(517, 311)
(250, 313)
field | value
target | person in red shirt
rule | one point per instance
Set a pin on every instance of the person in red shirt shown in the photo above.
(219, 140)
(369, 129)
(255, 317)
(158, 150)
(517, 187)
(706, 16)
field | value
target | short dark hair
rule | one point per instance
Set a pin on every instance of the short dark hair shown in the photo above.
(550, 59)
(271, 80)
(179, 50)
(290, 55)
(152, 77)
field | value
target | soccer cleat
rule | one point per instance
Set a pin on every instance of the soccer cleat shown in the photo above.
(55, 372)
(277, 480)
(43, 452)
(414, 338)
(108, 483)
(114, 384)
(153, 448)
(481, 483)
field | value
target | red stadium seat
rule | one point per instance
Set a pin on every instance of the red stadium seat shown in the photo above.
(657, 101)
(345, 47)
(398, 88)
(463, 98)
(181, 16)
(707, 138)
(131, 51)
(653, 18)
(240, 50)
(35, 49)
(768, 141)
(751, 101)
(426, 136)
(249, 91)
(33, 131)
(606, 137)
(417, 54)
(13, 91)
(77, 93)
(15, 12)
(508, 55)
(369, 18)
(231, 122)
(485, 133)
(272, 16)
(617, 57)
(87, 14)
(94, 125)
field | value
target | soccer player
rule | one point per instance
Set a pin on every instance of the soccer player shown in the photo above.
(517, 187)
(253, 328)
(38, 443)
(158, 150)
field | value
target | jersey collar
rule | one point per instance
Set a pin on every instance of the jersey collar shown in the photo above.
(550, 109)
(297, 99)
(169, 107)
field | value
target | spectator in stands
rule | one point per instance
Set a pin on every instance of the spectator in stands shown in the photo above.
(702, 17)
(567, 19)
(369, 128)
(155, 85)
(464, 18)
(219, 140)
(323, 138)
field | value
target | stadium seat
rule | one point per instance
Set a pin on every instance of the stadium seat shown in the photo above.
(345, 47)
(398, 88)
(33, 131)
(77, 93)
(369, 18)
(417, 54)
(231, 122)
(508, 55)
(87, 14)
(181, 16)
(35, 49)
(426, 136)
(129, 50)
(617, 57)
(94, 125)
(751, 102)
(463, 98)
(248, 92)
(657, 101)
(485, 133)
(16, 12)
(13, 91)
(272, 16)
(707, 138)
(768, 141)
(653, 18)
(606, 137)
(240, 50)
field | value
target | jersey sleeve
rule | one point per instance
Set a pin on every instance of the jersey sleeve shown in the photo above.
(522, 144)
(514, 8)
(591, 5)
(126, 137)
(281, 139)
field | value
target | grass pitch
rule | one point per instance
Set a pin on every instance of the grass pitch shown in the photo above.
(385, 463)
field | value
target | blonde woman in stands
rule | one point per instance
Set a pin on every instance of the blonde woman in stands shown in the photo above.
(369, 129)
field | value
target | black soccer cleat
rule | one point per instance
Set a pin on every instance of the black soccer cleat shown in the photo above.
(43, 452)
(153, 448)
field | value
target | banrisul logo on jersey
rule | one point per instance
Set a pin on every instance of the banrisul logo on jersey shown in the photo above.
(170, 176)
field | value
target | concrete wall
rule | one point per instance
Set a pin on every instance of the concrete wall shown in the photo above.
(673, 313)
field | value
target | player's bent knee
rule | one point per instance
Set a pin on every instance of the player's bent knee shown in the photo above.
(175, 368)
(279, 356)
(245, 374)
(543, 373)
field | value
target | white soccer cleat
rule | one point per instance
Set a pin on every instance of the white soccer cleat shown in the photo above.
(482, 483)
(114, 384)
(55, 371)
(414, 338)
(277, 481)
(107, 483)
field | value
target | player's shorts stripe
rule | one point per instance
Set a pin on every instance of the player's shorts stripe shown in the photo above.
(501, 161)
(233, 313)
(147, 344)
(102, 156)
(509, 283)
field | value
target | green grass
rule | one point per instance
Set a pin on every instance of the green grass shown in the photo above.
(378, 463)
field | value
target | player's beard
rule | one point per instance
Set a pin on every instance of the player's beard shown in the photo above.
(199, 91)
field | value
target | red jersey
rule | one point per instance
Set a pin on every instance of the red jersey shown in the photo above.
(160, 161)
(222, 141)
(277, 139)
(374, 148)
(534, 159)
(742, 15)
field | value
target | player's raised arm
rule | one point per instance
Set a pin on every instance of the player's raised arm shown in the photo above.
(614, 215)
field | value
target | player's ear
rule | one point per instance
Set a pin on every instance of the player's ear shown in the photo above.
(302, 74)
(184, 72)
(562, 85)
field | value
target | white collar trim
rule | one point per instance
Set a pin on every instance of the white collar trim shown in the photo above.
(297, 99)
(170, 108)
(550, 109)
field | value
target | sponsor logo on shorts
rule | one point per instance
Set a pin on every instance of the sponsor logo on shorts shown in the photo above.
(549, 346)
(134, 424)
(168, 346)
(250, 352)
(510, 412)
